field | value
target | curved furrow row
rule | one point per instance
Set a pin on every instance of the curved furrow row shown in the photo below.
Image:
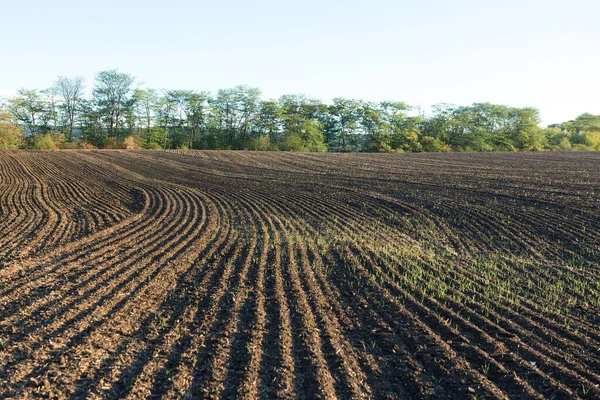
(34, 169)
(142, 318)
(395, 239)
(126, 233)
(342, 358)
(467, 307)
(432, 308)
(71, 192)
(32, 232)
(495, 328)
(88, 250)
(328, 344)
(209, 382)
(31, 214)
(83, 272)
(123, 360)
(191, 274)
(394, 324)
(81, 316)
(592, 292)
(200, 318)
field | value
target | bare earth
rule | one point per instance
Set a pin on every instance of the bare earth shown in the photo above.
(192, 274)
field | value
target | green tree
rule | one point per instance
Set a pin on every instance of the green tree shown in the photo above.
(269, 121)
(112, 95)
(43, 142)
(27, 108)
(145, 104)
(402, 129)
(343, 124)
(583, 123)
(583, 131)
(439, 124)
(49, 118)
(71, 92)
(377, 135)
(10, 133)
(196, 112)
(90, 123)
(262, 142)
(235, 115)
(302, 123)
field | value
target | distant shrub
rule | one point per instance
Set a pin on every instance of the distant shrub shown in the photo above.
(44, 142)
(87, 146)
(69, 146)
(591, 139)
(564, 144)
(293, 143)
(581, 147)
(112, 143)
(131, 143)
(537, 147)
(431, 144)
(10, 134)
(262, 143)
(152, 146)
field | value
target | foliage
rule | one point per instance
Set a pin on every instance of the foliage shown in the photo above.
(131, 143)
(237, 118)
(86, 146)
(44, 142)
(432, 144)
(262, 143)
(112, 144)
(112, 96)
(152, 146)
(10, 134)
(69, 146)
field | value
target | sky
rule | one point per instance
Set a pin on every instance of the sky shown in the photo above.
(543, 54)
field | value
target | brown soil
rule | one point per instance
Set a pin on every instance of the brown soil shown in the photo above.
(198, 274)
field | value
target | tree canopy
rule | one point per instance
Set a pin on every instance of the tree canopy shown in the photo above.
(238, 118)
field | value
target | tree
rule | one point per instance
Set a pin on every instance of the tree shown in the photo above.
(439, 124)
(343, 124)
(583, 132)
(525, 133)
(165, 115)
(112, 94)
(71, 92)
(43, 142)
(269, 121)
(90, 122)
(235, 114)
(403, 130)
(377, 136)
(146, 106)
(10, 133)
(195, 107)
(27, 108)
(583, 123)
(302, 120)
(237, 118)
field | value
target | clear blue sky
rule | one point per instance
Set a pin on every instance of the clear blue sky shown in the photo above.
(519, 52)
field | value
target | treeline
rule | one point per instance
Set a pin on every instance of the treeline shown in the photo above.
(121, 114)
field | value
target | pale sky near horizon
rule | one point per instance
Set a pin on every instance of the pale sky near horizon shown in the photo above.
(516, 52)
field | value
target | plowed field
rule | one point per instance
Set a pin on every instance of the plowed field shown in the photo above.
(191, 274)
